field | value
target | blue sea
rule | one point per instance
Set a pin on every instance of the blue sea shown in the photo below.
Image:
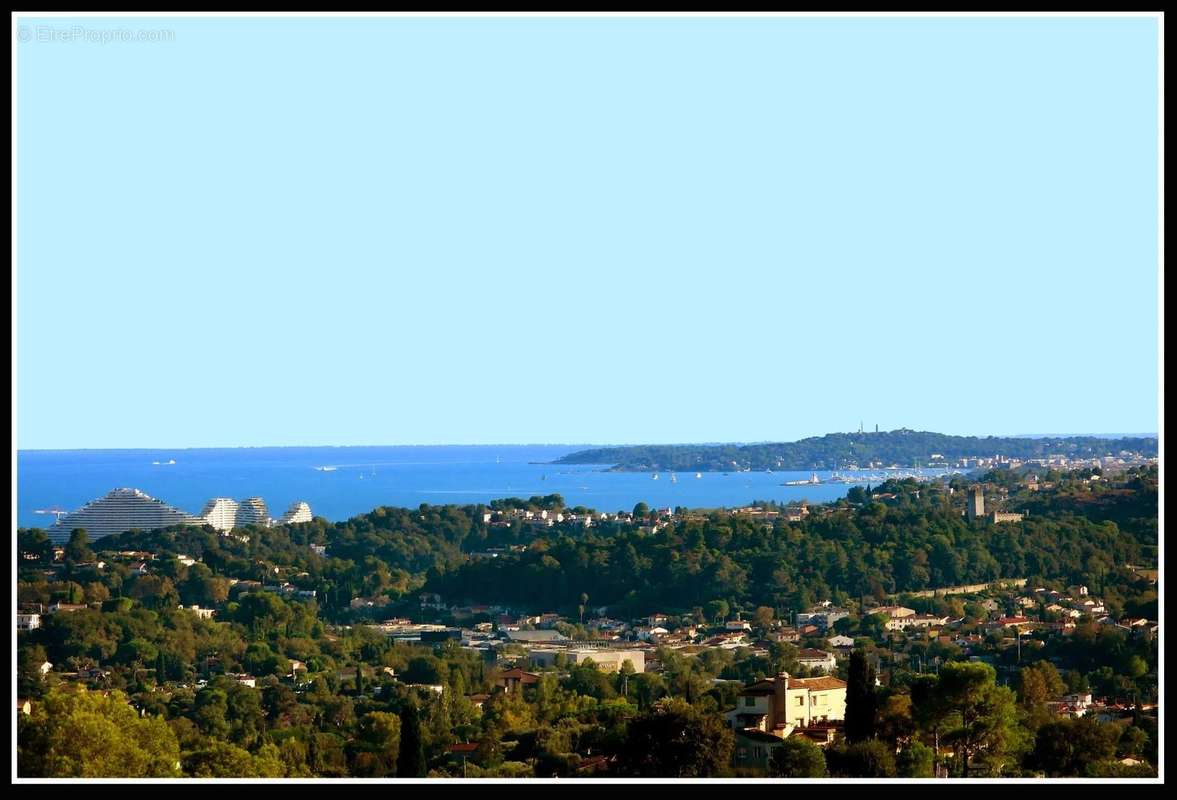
(359, 479)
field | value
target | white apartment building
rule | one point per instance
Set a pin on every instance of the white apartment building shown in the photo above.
(119, 511)
(221, 513)
(253, 511)
(299, 511)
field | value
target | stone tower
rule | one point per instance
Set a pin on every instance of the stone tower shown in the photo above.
(976, 504)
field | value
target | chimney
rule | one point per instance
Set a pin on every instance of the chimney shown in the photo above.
(779, 687)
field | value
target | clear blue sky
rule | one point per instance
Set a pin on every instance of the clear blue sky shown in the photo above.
(410, 231)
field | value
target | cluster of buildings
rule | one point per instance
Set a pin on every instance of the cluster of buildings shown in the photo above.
(540, 640)
(123, 510)
(547, 517)
(504, 518)
(1108, 463)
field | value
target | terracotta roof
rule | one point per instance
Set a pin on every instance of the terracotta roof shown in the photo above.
(759, 736)
(810, 652)
(463, 747)
(817, 684)
(520, 675)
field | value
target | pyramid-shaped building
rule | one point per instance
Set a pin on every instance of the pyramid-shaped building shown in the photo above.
(119, 511)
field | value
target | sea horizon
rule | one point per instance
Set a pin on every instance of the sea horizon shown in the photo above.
(400, 476)
(582, 445)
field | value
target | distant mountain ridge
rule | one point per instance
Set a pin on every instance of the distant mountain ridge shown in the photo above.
(838, 450)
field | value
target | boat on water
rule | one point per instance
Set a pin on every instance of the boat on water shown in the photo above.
(326, 469)
(673, 478)
(655, 476)
(698, 474)
(164, 463)
(813, 480)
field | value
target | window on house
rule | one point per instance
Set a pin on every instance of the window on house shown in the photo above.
(801, 700)
(749, 702)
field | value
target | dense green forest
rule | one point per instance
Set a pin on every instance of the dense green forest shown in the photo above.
(916, 539)
(836, 450)
(141, 687)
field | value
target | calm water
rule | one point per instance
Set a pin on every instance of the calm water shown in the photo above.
(367, 477)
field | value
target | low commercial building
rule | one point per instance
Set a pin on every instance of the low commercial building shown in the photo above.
(605, 659)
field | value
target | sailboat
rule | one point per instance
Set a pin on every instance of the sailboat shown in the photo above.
(673, 478)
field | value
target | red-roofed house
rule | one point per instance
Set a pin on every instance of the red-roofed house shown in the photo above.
(780, 704)
(513, 679)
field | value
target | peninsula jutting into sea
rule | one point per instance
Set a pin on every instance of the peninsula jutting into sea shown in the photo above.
(899, 448)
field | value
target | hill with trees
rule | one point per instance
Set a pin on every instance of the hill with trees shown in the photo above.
(837, 450)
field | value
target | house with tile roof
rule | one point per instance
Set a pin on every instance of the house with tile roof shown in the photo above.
(782, 704)
(514, 679)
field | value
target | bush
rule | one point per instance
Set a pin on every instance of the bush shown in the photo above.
(797, 758)
(870, 759)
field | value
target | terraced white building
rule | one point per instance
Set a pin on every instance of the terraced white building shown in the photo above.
(253, 511)
(117, 512)
(221, 513)
(299, 511)
(128, 509)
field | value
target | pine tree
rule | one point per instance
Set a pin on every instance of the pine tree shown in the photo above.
(861, 702)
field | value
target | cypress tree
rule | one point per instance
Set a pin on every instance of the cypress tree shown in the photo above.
(410, 762)
(313, 750)
(861, 702)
